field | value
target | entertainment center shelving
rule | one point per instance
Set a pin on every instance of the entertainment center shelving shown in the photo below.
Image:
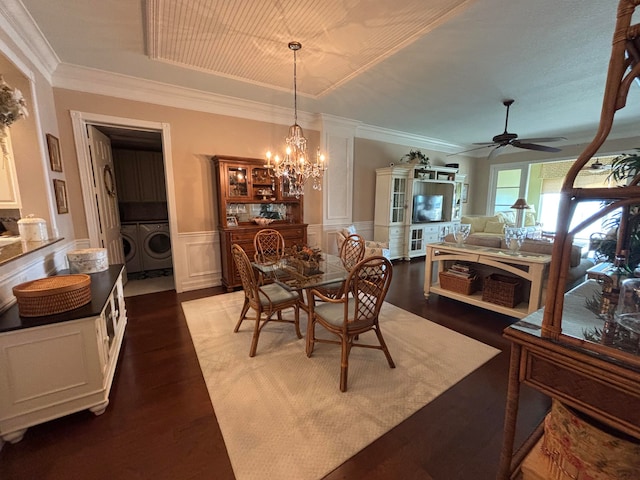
(394, 222)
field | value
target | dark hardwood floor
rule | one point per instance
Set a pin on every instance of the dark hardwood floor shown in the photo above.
(160, 423)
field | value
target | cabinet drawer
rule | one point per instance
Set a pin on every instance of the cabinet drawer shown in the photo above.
(242, 236)
(396, 231)
(558, 379)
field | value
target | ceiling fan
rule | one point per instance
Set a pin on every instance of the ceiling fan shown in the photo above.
(505, 139)
(596, 167)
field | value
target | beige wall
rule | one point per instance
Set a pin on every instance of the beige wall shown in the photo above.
(372, 154)
(28, 141)
(195, 138)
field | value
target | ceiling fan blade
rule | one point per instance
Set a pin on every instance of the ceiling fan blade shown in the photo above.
(496, 151)
(534, 146)
(486, 144)
(472, 149)
(541, 139)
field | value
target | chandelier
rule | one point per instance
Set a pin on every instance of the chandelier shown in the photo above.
(295, 168)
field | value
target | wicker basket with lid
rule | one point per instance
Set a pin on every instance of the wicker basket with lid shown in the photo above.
(51, 295)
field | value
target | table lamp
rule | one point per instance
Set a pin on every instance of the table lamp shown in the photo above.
(520, 206)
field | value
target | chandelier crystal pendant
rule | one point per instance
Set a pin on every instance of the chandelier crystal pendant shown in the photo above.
(295, 167)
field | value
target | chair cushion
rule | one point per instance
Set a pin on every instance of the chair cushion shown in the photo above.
(277, 294)
(333, 313)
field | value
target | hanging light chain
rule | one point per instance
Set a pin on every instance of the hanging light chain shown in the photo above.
(295, 166)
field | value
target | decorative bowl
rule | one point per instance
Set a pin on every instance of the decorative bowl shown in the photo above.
(263, 221)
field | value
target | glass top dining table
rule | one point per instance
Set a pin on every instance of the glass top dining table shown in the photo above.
(292, 277)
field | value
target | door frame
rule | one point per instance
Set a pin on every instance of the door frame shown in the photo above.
(79, 121)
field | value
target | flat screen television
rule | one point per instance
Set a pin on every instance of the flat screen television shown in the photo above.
(427, 208)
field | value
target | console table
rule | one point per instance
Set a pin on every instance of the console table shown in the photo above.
(54, 365)
(528, 266)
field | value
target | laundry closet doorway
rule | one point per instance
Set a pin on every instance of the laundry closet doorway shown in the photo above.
(142, 187)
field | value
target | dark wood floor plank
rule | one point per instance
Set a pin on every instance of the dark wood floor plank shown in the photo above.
(160, 423)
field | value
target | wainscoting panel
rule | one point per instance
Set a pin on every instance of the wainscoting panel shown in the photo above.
(197, 262)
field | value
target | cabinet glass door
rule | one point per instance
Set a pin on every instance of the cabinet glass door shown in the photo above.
(237, 182)
(398, 200)
(417, 240)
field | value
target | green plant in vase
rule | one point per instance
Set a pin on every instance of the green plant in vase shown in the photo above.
(415, 156)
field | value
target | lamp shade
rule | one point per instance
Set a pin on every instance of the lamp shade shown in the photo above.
(521, 204)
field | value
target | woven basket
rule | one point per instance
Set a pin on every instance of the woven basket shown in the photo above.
(502, 290)
(459, 284)
(51, 295)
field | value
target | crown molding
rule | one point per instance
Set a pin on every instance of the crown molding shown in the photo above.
(371, 132)
(100, 82)
(19, 25)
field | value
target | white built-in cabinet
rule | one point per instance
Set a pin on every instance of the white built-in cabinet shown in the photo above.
(61, 364)
(9, 193)
(395, 189)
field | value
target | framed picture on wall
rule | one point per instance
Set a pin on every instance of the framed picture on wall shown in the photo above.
(60, 190)
(465, 192)
(53, 145)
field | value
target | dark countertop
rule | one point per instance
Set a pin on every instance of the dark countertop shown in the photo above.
(102, 284)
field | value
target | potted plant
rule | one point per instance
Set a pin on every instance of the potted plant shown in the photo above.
(623, 168)
(415, 156)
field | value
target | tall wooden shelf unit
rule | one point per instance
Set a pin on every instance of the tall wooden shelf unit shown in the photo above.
(395, 189)
(550, 351)
(248, 189)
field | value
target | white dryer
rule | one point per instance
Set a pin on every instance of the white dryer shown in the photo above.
(155, 243)
(130, 243)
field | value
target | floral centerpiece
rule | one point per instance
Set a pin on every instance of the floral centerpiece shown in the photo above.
(13, 107)
(304, 259)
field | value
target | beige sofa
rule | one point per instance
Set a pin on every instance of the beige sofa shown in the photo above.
(493, 226)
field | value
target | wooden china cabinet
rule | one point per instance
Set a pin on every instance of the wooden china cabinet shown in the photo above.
(248, 189)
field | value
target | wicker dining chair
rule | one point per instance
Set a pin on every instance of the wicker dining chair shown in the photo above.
(269, 246)
(349, 316)
(265, 300)
(351, 252)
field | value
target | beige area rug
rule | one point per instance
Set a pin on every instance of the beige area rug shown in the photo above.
(282, 414)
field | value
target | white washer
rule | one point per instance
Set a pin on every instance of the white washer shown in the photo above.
(156, 245)
(130, 243)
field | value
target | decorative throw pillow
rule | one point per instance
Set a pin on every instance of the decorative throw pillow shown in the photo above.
(494, 227)
(508, 217)
(529, 219)
(477, 223)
